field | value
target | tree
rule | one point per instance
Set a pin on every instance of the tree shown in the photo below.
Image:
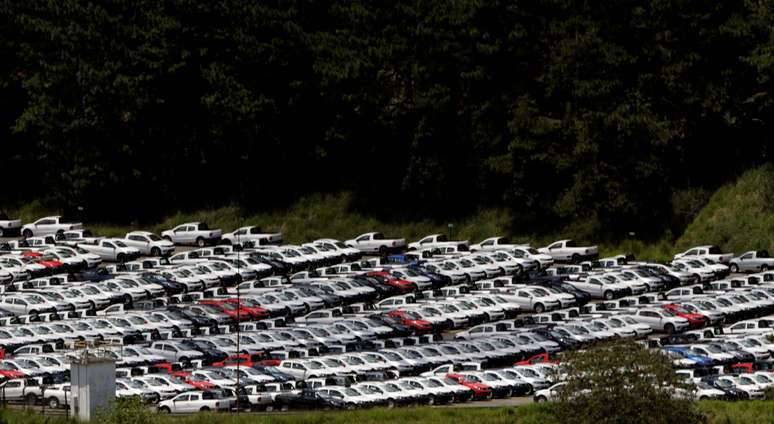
(624, 382)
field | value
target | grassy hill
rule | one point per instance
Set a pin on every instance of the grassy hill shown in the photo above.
(739, 216)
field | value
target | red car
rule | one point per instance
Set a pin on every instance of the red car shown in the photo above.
(256, 311)
(540, 358)
(383, 277)
(412, 321)
(185, 377)
(167, 367)
(694, 320)
(242, 359)
(50, 263)
(231, 309)
(480, 390)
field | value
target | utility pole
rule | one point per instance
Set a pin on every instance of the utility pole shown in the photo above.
(239, 318)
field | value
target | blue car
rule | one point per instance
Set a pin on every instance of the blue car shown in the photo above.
(699, 360)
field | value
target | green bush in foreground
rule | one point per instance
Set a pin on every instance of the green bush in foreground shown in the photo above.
(623, 382)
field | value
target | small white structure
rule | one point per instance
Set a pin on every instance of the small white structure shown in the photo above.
(93, 384)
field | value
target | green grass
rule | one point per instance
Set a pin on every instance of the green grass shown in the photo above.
(717, 413)
(318, 216)
(739, 216)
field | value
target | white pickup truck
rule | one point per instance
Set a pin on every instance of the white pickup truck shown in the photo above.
(192, 233)
(496, 243)
(195, 401)
(25, 389)
(568, 250)
(48, 226)
(712, 253)
(9, 227)
(436, 240)
(253, 234)
(113, 250)
(376, 243)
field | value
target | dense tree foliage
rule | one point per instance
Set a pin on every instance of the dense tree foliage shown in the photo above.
(624, 382)
(563, 111)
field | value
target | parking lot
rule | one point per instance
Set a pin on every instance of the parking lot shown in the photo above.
(200, 319)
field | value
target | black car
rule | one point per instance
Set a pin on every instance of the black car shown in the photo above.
(208, 349)
(732, 393)
(383, 290)
(308, 399)
(169, 286)
(399, 329)
(563, 342)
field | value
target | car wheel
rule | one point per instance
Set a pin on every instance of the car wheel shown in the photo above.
(127, 299)
(735, 268)
(226, 241)
(121, 258)
(763, 268)
(382, 250)
(390, 403)
(183, 361)
(575, 258)
(155, 251)
(27, 233)
(165, 410)
(204, 409)
(1, 232)
(541, 399)
(32, 312)
(92, 305)
(200, 242)
(669, 328)
(697, 277)
(31, 399)
(487, 317)
(284, 408)
(703, 398)
(608, 295)
(539, 308)
(53, 402)
(72, 307)
(648, 288)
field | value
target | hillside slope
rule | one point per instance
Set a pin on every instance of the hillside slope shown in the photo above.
(739, 216)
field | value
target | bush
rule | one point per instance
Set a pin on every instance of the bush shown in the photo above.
(623, 382)
(130, 410)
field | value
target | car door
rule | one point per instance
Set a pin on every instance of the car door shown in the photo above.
(748, 263)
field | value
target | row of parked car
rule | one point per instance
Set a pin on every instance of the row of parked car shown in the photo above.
(246, 322)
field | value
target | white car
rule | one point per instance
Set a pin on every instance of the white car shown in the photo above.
(534, 298)
(113, 250)
(544, 259)
(148, 243)
(192, 233)
(549, 394)
(568, 250)
(660, 319)
(699, 270)
(376, 243)
(252, 234)
(705, 252)
(49, 225)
